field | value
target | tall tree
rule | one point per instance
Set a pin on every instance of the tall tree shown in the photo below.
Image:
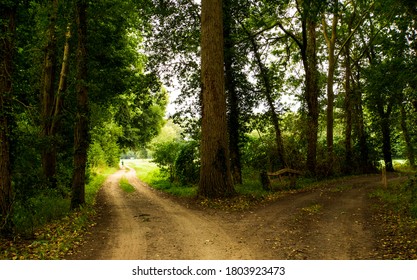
(331, 60)
(7, 29)
(407, 136)
(215, 175)
(232, 92)
(47, 91)
(81, 131)
(385, 84)
(265, 77)
(309, 11)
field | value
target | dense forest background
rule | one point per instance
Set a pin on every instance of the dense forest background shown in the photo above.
(325, 87)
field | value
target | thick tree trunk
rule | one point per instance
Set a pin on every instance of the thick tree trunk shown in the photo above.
(81, 131)
(7, 29)
(215, 175)
(311, 95)
(232, 97)
(48, 154)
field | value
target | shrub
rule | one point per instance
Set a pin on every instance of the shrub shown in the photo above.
(187, 163)
(164, 155)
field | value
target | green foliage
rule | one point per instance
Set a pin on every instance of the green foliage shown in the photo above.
(401, 197)
(177, 158)
(140, 111)
(96, 179)
(44, 226)
(43, 206)
(256, 152)
(397, 215)
(52, 242)
(187, 163)
(149, 173)
(38, 210)
(164, 155)
(104, 148)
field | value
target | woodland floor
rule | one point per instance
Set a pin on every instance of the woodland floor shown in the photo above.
(336, 221)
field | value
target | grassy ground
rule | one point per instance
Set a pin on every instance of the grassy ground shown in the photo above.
(48, 229)
(396, 213)
(148, 172)
(248, 194)
(125, 186)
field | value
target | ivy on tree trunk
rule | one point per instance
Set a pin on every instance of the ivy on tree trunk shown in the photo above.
(8, 29)
(81, 131)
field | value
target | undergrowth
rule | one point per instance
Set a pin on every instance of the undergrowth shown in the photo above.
(397, 219)
(45, 228)
(149, 173)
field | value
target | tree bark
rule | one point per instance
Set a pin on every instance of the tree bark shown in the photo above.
(63, 79)
(357, 104)
(407, 136)
(308, 51)
(331, 44)
(386, 143)
(7, 28)
(215, 175)
(232, 96)
(348, 111)
(48, 154)
(311, 94)
(264, 73)
(81, 131)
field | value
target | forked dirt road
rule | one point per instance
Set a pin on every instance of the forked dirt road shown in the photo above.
(332, 222)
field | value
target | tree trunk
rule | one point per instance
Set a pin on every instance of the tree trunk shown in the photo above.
(348, 111)
(81, 131)
(232, 97)
(7, 28)
(62, 86)
(265, 79)
(311, 95)
(331, 43)
(215, 175)
(308, 51)
(48, 154)
(407, 137)
(364, 162)
(274, 117)
(386, 143)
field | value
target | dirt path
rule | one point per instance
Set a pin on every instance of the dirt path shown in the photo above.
(144, 225)
(332, 222)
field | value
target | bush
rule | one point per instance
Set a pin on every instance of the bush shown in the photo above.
(46, 206)
(187, 163)
(179, 159)
(256, 153)
(164, 155)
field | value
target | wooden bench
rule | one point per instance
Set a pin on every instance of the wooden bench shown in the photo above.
(269, 177)
(286, 172)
